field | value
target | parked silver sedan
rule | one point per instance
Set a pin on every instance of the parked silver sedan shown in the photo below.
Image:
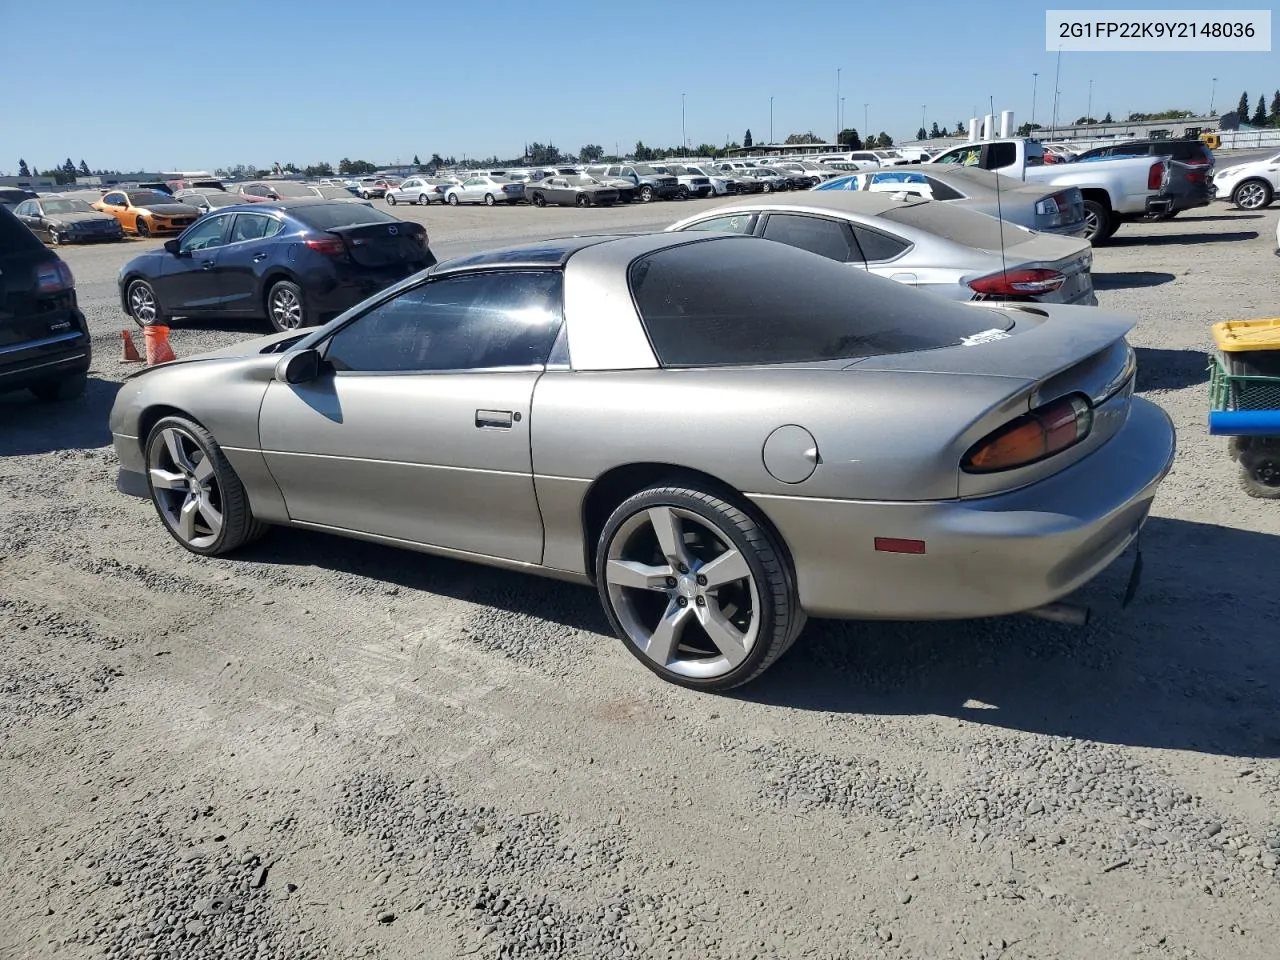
(811, 440)
(421, 189)
(488, 190)
(925, 244)
(1035, 206)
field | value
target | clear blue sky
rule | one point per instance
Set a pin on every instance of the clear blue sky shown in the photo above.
(126, 85)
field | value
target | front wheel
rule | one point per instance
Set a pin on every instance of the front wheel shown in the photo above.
(286, 308)
(143, 305)
(683, 192)
(364, 195)
(144, 230)
(55, 238)
(422, 199)
(1252, 195)
(538, 200)
(195, 491)
(582, 200)
(1260, 472)
(646, 194)
(696, 588)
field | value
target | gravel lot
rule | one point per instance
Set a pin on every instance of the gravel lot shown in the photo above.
(323, 748)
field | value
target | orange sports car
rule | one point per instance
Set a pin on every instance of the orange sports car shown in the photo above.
(147, 212)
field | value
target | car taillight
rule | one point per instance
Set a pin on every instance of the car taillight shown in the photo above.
(54, 278)
(330, 246)
(1018, 283)
(1155, 176)
(1033, 436)
(1196, 176)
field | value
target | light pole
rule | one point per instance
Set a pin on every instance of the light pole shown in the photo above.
(1088, 113)
(837, 104)
(684, 136)
(1035, 79)
(865, 131)
(1212, 94)
(923, 109)
(771, 120)
(1057, 89)
(842, 99)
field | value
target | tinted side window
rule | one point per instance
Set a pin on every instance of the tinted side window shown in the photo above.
(826, 238)
(1001, 155)
(735, 301)
(473, 322)
(734, 223)
(253, 226)
(876, 245)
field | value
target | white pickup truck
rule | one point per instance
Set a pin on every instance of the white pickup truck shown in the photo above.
(1114, 191)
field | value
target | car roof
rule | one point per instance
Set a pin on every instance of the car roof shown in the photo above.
(541, 253)
(866, 203)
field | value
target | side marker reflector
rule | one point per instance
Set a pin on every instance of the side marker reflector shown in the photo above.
(897, 545)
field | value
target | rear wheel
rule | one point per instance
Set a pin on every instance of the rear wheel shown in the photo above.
(143, 305)
(64, 388)
(696, 588)
(391, 201)
(1097, 221)
(488, 200)
(582, 200)
(453, 199)
(1260, 472)
(286, 308)
(364, 194)
(195, 491)
(538, 200)
(1252, 195)
(646, 194)
(422, 199)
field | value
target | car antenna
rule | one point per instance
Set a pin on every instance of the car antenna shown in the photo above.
(1004, 265)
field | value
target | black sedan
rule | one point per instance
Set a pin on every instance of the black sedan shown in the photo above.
(296, 263)
(59, 220)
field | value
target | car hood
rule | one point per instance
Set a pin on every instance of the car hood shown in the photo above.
(272, 343)
(66, 218)
(169, 210)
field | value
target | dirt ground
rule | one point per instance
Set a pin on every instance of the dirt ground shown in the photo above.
(327, 749)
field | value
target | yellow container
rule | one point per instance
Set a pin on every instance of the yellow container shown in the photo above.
(1236, 336)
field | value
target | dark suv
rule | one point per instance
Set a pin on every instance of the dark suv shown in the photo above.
(1191, 152)
(44, 340)
(1190, 174)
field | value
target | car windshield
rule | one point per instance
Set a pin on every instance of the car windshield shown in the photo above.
(735, 301)
(66, 206)
(295, 190)
(147, 198)
(644, 170)
(216, 199)
(333, 193)
(326, 216)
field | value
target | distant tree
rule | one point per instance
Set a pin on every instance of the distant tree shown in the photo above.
(35, 172)
(1275, 110)
(590, 153)
(1026, 129)
(355, 167)
(1107, 118)
(870, 143)
(708, 150)
(1242, 109)
(69, 168)
(642, 152)
(922, 134)
(746, 139)
(849, 138)
(1162, 115)
(1085, 120)
(84, 169)
(935, 132)
(809, 137)
(437, 161)
(23, 169)
(324, 169)
(416, 161)
(1260, 114)
(884, 140)
(542, 155)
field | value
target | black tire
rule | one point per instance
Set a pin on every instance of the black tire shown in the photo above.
(1253, 197)
(141, 227)
(1098, 220)
(364, 195)
(60, 390)
(683, 192)
(538, 200)
(135, 295)
(391, 201)
(238, 525)
(422, 199)
(780, 618)
(488, 200)
(646, 194)
(453, 199)
(280, 310)
(1260, 472)
(582, 200)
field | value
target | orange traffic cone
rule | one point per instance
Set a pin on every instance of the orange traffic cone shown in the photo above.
(129, 353)
(158, 349)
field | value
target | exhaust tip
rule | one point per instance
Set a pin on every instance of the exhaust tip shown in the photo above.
(1068, 613)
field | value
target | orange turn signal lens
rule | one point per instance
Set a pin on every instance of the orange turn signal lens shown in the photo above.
(1034, 436)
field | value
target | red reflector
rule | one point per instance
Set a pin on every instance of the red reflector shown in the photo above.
(897, 545)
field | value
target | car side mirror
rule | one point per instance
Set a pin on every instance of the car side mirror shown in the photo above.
(171, 246)
(298, 366)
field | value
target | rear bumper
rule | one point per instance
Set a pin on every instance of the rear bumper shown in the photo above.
(51, 358)
(1172, 203)
(987, 556)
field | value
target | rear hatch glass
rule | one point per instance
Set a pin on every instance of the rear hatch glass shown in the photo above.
(25, 313)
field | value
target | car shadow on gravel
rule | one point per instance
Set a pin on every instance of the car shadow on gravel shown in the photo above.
(249, 325)
(1192, 664)
(1160, 369)
(1130, 280)
(31, 426)
(1180, 239)
(1215, 218)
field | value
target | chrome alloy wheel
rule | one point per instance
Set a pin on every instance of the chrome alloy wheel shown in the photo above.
(286, 308)
(684, 595)
(185, 487)
(142, 303)
(1251, 195)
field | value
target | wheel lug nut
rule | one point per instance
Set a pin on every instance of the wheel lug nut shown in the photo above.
(682, 602)
(702, 581)
(671, 583)
(683, 568)
(702, 601)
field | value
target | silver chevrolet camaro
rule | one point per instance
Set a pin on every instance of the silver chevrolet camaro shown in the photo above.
(724, 434)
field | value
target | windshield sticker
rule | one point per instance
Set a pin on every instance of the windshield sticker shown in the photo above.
(986, 336)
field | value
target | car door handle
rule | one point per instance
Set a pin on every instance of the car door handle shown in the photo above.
(501, 419)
